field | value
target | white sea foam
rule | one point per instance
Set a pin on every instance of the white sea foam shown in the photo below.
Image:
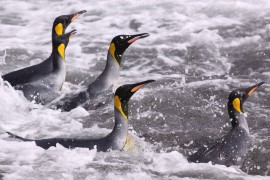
(174, 27)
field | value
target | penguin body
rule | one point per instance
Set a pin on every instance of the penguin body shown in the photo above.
(115, 140)
(106, 79)
(28, 74)
(232, 148)
(45, 88)
(43, 73)
(40, 87)
(228, 150)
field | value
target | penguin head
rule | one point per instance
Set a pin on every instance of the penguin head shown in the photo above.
(60, 43)
(124, 93)
(121, 42)
(239, 96)
(61, 23)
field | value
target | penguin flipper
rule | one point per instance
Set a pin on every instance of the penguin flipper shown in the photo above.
(44, 143)
(204, 154)
(72, 101)
(18, 137)
(195, 157)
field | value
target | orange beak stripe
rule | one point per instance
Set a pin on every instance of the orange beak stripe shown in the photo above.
(137, 88)
(75, 17)
(133, 40)
(252, 91)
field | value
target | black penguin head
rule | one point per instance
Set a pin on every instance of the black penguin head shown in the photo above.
(61, 23)
(60, 43)
(239, 96)
(124, 93)
(120, 43)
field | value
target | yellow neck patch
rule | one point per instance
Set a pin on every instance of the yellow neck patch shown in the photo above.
(61, 51)
(117, 104)
(236, 104)
(112, 51)
(59, 29)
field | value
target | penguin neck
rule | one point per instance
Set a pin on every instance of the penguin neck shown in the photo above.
(57, 61)
(119, 133)
(53, 34)
(238, 119)
(107, 78)
(120, 120)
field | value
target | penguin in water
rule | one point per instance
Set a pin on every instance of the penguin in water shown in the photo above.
(106, 79)
(37, 71)
(116, 140)
(232, 148)
(46, 87)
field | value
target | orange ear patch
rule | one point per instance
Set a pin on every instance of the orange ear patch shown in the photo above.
(236, 104)
(59, 29)
(137, 88)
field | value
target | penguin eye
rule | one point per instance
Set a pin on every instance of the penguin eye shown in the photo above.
(122, 39)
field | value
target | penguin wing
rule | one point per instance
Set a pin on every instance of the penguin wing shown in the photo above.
(101, 144)
(210, 153)
(67, 143)
(71, 101)
(18, 137)
(46, 143)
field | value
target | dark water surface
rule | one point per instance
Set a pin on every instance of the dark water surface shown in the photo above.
(198, 51)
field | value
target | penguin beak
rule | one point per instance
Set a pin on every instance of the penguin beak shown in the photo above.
(76, 15)
(72, 33)
(137, 86)
(135, 37)
(250, 90)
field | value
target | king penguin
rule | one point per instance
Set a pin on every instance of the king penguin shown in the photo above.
(232, 148)
(45, 88)
(37, 71)
(116, 140)
(106, 79)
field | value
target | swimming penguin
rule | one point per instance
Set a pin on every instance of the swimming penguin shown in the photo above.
(232, 148)
(37, 71)
(106, 79)
(115, 140)
(45, 88)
